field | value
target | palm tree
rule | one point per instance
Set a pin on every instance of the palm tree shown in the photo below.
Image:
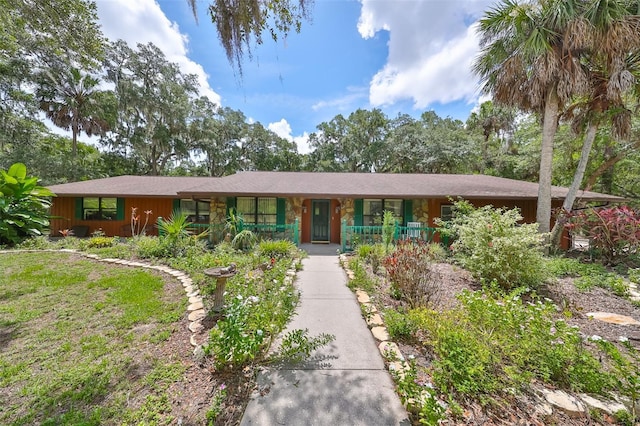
(72, 102)
(530, 59)
(613, 61)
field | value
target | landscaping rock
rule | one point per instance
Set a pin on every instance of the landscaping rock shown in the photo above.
(609, 407)
(194, 299)
(390, 351)
(380, 333)
(374, 320)
(195, 306)
(197, 315)
(195, 326)
(569, 404)
(612, 318)
(362, 296)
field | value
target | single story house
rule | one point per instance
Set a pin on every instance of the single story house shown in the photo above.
(318, 202)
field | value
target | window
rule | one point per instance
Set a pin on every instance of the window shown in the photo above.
(258, 210)
(196, 211)
(372, 211)
(99, 208)
(446, 212)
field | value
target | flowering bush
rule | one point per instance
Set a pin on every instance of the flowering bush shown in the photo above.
(411, 274)
(494, 246)
(614, 232)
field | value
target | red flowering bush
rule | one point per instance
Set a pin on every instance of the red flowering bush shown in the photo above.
(411, 274)
(614, 232)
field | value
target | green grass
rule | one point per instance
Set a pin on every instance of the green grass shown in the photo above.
(70, 352)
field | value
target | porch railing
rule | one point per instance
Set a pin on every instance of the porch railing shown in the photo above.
(217, 232)
(352, 236)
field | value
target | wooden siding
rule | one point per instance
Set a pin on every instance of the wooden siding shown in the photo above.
(64, 208)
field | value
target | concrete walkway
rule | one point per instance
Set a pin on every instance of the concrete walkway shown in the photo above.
(345, 382)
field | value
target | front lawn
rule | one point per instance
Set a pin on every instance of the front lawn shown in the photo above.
(83, 342)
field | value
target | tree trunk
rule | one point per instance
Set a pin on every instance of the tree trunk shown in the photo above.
(608, 164)
(549, 127)
(567, 205)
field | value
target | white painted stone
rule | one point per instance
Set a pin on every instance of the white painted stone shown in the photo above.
(609, 407)
(390, 351)
(195, 306)
(197, 315)
(544, 409)
(612, 318)
(362, 296)
(380, 333)
(194, 299)
(193, 341)
(189, 289)
(193, 293)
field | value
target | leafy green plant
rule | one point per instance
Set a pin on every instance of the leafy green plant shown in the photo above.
(420, 398)
(217, 402)
(493, 245)
(23, 205)
(100, 242)
(233, 342)
(411, 274)
(276, 249)
(626, 366)
(493, 342)
(244, 240)
(234, 222)
(399, 324)
(570, 267)
(297, 346)
(609, 281)
(175, 227)
(388, 229)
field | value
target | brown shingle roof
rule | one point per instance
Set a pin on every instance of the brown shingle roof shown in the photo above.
(130, 186)
(317, 185)
(376, 185)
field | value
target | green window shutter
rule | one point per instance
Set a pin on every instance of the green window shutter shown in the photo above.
(79, 208)
(120, 209)
(231, 204)
(408, 211)
(176, 205)
(281, 212)
(357, 212)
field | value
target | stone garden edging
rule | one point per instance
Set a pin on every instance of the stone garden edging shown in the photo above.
(570, 404)
(195, 309)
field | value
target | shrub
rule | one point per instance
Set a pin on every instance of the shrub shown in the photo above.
(388, 229)
(613, 232)
(100, 242)
(244, 240)
(399, 324)
(233, 342)
(23, 205)
(372, 254)
(411, 274)
(493, 342)
(568, 267)
(492, 245)
(277, 249)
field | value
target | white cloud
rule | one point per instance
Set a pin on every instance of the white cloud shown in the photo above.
(343, 103)
(142, 21)
(283, 129)
(432, 44)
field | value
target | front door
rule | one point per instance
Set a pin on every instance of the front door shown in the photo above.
(320, 221)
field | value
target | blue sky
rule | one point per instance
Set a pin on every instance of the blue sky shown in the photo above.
(402, 56)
